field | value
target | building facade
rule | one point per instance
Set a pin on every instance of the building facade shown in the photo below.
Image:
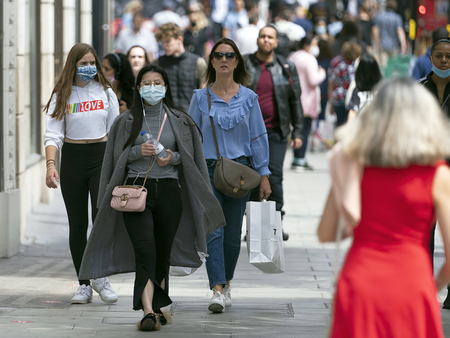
(37, 36)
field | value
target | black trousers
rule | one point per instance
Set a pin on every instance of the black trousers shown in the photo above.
(277, 152)
(80, 177)
(152, 233)
(307, 124)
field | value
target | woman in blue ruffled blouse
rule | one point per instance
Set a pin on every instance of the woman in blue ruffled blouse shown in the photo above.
(242, 136)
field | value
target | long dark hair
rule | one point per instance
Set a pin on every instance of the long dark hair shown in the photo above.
(325, 50)
(136, 109)
(123, 74)
(368, 73)
(147, 61)
(240, 74)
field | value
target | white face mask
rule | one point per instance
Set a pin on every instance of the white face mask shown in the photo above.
(314, 51)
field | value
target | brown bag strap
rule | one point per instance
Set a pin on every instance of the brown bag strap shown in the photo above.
(212, 122)
(153, 156)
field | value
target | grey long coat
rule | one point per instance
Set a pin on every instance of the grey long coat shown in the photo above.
(109, 250)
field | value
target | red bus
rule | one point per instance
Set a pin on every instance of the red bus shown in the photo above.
(430, 14)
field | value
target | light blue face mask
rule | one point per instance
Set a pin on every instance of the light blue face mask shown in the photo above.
(442, 73)
(153, 94)
(86, 73)
(320, 30)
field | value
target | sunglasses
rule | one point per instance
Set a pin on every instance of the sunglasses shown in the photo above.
(219, 55)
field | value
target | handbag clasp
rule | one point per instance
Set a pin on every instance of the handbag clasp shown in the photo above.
(124, 197)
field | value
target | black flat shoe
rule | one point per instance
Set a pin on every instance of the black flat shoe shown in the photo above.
(446, 304)
(164, 317)
(149, 323)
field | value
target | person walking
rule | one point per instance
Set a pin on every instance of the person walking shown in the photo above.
(367, 77)
(80, 112)
(137, 36)
(340, 74)
(311, 75)
(117, 70)
(388, 34)
(180, 207)
(423, 64)
(438, 83)
(185, 69)
(274, 79)
(241, 136)
(197, 35)
(137, 58)
(386, 286)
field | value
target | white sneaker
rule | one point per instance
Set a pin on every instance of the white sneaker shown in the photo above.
(217, 303)
(83, 295)
(103, 288)
(227, 295)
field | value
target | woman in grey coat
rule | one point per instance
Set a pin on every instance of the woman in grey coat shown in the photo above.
(180, 208)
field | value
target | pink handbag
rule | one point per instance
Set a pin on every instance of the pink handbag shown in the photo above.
(132, 198)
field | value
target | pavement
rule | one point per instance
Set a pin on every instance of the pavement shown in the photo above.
(37, 284)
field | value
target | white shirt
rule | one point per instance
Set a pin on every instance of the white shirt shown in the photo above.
(219, 11)
(167, 16)
(89, 115)
(144, 38)
(246, 39)
(294, 32)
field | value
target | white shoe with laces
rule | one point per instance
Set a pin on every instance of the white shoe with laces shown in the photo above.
(83, 295)
(103, 288)
(217, 303)
(227, 295)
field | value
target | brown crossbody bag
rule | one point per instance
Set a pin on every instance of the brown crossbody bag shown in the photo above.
(230, 177)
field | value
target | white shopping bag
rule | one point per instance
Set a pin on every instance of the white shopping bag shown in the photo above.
(264, 237)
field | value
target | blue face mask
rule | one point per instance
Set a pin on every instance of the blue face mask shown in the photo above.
(153, 94)
(320, 30)
(86, 73)
(442, 73)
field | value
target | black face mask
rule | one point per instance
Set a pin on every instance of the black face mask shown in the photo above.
(193, 23)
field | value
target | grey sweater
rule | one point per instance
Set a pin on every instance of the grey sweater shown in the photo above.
(138, 164)
(109, 249)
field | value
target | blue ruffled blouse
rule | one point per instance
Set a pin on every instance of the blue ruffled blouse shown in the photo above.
(239, 125)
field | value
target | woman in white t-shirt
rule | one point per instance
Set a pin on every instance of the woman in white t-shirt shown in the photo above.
(367, 76)
(80, 112)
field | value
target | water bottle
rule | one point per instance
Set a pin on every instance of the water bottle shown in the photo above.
(160, 151)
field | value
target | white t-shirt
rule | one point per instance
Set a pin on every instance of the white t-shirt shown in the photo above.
(246, 39)
(167, 16)
(144, 38)
(89, 115)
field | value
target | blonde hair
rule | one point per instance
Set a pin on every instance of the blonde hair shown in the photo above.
(425, 41)
(403, 125)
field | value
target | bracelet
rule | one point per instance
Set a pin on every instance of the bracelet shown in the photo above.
(51, 168)
(50, 160)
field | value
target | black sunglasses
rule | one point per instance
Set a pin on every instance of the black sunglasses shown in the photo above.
(219, 55)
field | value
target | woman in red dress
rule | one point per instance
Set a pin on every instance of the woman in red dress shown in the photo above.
(386, 287)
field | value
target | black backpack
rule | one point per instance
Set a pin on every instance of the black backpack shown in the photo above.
(284, 45)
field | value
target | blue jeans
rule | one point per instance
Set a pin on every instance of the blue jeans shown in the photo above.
(224, 244)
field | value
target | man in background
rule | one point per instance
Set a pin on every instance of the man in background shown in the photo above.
(276, 82)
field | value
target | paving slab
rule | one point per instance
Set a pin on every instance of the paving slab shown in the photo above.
(36, 286)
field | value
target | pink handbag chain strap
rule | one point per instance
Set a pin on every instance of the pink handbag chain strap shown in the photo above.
(153, 156)
(162, 126)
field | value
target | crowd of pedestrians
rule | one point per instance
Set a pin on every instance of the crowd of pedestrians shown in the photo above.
(249, 79)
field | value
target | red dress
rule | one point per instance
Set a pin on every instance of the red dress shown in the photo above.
(386, 287)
